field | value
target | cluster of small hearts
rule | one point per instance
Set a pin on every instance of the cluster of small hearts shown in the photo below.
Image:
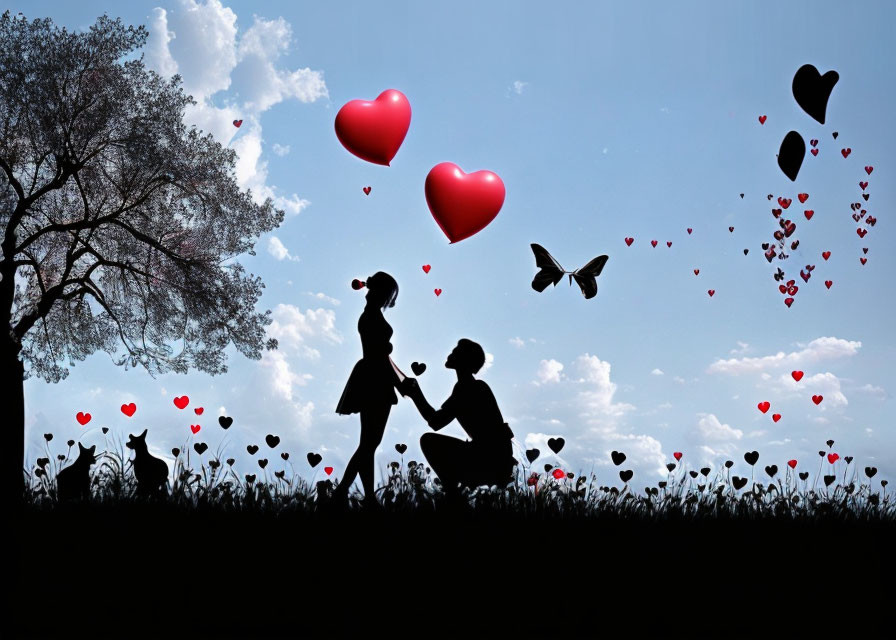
(765, 405)
(181, 402)
(462, 204)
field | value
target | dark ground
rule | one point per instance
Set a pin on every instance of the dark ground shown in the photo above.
(133, 572)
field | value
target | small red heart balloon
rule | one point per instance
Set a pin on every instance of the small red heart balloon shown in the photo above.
(788, 302)
(869, 169)
(237, 123)
(677, 455)
(668, 244)
(825, 254)
(195, 428)
(328, 470)
(828, 283)
(791, 464)
(696, 272)
(863, 185)
(83, 418)
(462, 204)
(797, 375)
(374, 130)
(845, 152)
(764, 406)
(128, 409)
(809, 213)
(438, 292)
(731, 229)
(198, 410)
(181, 402)
(711, 292)
(833, 457)
(653, 242)
(776, 417)
(762, 119)
(802, 197)
(814, 152)
(863, 260)
(629, 241)
(689, 230)
(817, 399)
(366, 191)
(426, 268)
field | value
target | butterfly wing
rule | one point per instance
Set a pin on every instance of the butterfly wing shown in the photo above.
(586, 277)
(550, 270)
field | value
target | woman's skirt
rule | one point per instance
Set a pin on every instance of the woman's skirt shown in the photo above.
(368, 386)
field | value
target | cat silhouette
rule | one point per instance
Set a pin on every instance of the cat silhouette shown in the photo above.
(73, 482)
(151, 472)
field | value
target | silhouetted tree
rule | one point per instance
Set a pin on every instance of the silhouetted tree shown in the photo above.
(117, 219)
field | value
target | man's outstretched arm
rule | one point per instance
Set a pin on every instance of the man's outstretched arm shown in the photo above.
(435, 418)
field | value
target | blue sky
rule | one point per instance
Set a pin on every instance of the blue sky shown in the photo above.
(604, 121)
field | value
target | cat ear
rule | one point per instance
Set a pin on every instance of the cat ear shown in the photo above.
(143, 435)
(92, 449)
(81, 447)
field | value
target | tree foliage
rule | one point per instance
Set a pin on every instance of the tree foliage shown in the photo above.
(120, 223)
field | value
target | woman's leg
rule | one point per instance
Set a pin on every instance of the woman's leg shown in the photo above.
(373, 426)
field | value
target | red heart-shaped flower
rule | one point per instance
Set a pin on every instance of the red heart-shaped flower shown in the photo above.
(181, 402)
(677, 455)
(833, 457)
(791, 464)
(374, 130)
(328, 470)
(764, 406)
(128, 409)
(817, 399)
(426, 268)
(195, 428)
(83, 418)
(462, 204)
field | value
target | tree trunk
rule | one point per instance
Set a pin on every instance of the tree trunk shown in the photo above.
(12, 383)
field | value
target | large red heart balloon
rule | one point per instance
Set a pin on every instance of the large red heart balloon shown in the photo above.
(374, 130)
(462, 203)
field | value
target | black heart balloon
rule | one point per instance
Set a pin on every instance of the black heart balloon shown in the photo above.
(225, 422)
(618, 457)
(556, 444)
(252, 449)
(804, 475)
(738, 482)
(401, 448)
(532, 455)
(200, 447)
(314, 459)
(791, 154)
(870, 471)
(751, 457)
(626, 475)
(418, 368)
(811, 90)
(272, 440)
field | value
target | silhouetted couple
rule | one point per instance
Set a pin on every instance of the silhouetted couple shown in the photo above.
(485, 459)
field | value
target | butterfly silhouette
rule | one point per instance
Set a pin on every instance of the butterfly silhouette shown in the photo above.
(551, 272)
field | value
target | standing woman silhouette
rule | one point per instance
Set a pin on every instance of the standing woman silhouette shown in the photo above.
(370, 389)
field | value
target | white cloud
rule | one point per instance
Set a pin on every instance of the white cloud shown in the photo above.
(678, 379)
(873, 390)
(280, 149)
(605, 150)
(598, 399)
(656, 372)
(324, 297)
(489, 359)
(549, 371)
(517, 342)
(817, 350)
(281, 376)
(293, 328)
(277, 249)
(710, 428)
(518, 86)
(824, 384)
(742, 348)
(199, 41)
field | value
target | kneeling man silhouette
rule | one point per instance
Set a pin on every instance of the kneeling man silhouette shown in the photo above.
(486, 459)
